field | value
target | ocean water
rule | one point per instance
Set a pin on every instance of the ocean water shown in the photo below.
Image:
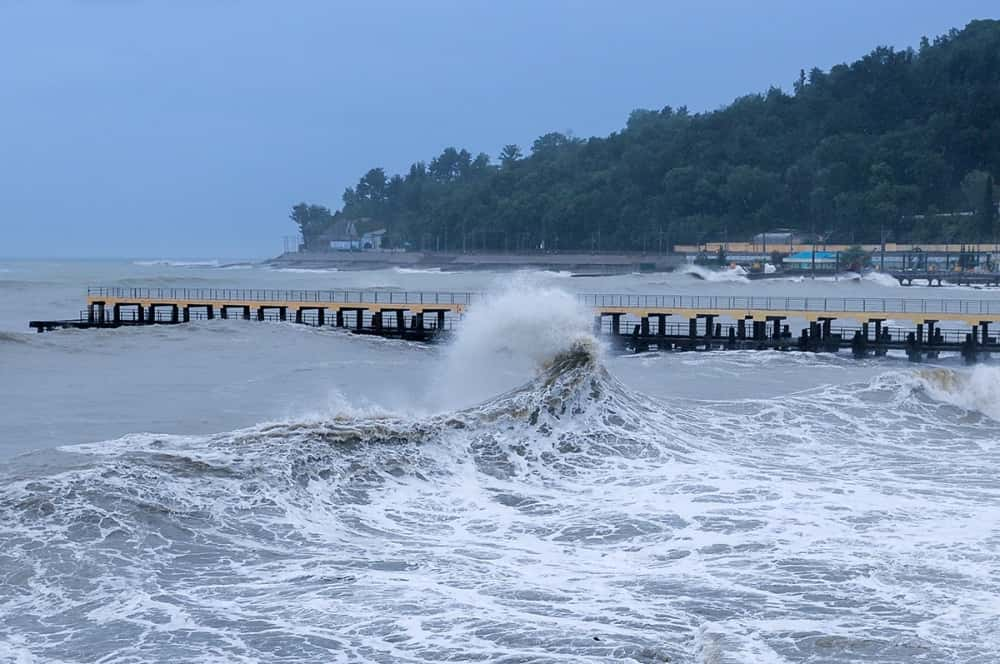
(232, 491)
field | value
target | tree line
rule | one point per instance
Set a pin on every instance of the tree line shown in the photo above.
(892, 146)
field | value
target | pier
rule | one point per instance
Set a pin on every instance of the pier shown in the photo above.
(922, 328)
(938, 277)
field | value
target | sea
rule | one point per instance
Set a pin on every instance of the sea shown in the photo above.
(243, 491)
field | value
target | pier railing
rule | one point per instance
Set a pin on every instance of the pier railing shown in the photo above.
(738, 303)
(734, 303)
(233, 295)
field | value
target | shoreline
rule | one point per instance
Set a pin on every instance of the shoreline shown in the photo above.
(578, 263)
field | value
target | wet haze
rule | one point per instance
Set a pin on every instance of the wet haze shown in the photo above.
(185, 129)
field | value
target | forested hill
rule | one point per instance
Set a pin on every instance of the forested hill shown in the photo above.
(883, 144)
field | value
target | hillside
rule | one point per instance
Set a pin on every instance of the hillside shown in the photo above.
(881, 145)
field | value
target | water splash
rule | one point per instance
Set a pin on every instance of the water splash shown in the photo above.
(733, 274)
(976, 390)
(506, 337)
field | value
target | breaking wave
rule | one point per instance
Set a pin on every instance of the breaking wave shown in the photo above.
(975, 390)
(175, 263)
(736, 273)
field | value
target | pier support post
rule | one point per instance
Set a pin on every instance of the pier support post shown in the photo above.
(174, 313)
(661, 326)
(339, 318)
(246, 312)
(644, 326)
(400, 321)
(932, 338)
(116, 312)
(377, 321)
(210, 312)
(913, 348)
(298, 315)
(709, 330)
(140, 314)
(321, 317)
(440, 321)
(418, 320)
(187, 314)
(692, 331)
(969, 353)
(282, 313)
(616, 324)
(597, 325)
(880, 338)
(741, 329)
(859, 345)
(260, 313)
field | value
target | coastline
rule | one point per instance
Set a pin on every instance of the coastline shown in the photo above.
(578, 263)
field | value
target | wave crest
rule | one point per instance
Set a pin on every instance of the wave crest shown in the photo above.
(976, 390)
(734, 274)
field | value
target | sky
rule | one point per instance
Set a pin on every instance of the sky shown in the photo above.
(188, 128)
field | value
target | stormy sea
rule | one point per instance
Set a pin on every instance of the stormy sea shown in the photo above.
(234, 491)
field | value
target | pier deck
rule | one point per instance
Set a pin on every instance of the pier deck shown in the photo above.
(636, 321)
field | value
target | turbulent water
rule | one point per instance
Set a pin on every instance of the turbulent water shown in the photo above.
(521, 495)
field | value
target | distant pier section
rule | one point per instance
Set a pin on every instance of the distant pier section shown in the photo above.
(637, 322)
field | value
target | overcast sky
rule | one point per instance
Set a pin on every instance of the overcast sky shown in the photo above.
(188, 128)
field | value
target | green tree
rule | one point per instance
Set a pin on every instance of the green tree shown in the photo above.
(987, 212)
(511, 153)
(312, 220)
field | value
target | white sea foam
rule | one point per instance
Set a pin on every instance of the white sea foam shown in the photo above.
(176, 263)
(419, 270)
(509, 334)
(733, 274)
(977, 389)
(881, 279)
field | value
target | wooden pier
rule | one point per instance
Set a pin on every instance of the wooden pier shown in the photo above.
(919, 327)
(938, 277)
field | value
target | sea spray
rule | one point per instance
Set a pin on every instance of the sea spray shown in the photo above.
(976, 390)
(508, 336)
(881, 279)
(734, 274)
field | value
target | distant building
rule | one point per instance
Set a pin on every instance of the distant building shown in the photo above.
(372, 240)
(344, 235)
(776, 239)
(803, 260)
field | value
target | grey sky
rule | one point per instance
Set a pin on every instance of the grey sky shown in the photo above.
(188, 128)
